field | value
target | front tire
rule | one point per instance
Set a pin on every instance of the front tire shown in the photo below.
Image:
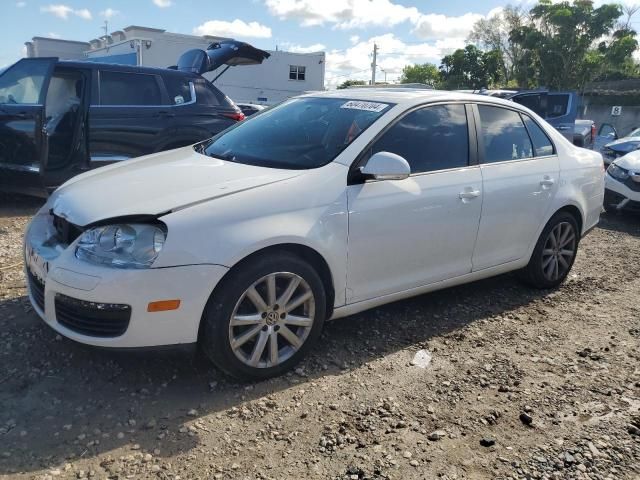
(554, 253)
(265, 317)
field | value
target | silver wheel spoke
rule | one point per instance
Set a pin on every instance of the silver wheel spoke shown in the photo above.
(564, 263)
(547, 251)
(255, 298)
(273, 348)
(271, 290)
(286, 295)
(258, 349)
(548, 269)
(298, 321)
(547, 261)
(291, 337)
(263, 336)
(567, 241)
(240, 320)
(566, 253)
(564, 233)
(245, 337)
(295, 303)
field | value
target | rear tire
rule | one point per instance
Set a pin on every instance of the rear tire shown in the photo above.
(554, 253)
(252, 328)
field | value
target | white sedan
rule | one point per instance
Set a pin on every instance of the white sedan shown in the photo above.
(622, 184)
(324, 206)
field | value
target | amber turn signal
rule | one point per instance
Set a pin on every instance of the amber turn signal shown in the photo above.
(163, 305)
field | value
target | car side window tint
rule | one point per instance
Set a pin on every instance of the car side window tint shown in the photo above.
(206, 95)
(22, 83)
(178, 88)
(432, 138)
(557, 105)
(541, 143)
(504, 135)
(121, 88)
(533, 102)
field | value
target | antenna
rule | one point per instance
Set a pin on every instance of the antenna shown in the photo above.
(106, 28)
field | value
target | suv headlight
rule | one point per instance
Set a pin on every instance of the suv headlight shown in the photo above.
(122, 245)
(617, 172)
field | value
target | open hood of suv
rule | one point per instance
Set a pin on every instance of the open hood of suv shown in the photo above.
(226, 52)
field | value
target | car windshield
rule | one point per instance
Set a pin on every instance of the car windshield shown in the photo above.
(299, 134)
(635, 133)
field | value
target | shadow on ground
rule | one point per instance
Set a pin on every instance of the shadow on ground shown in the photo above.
(59, 396)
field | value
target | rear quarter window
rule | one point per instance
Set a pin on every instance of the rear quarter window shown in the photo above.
(178, 89)
(207, 94)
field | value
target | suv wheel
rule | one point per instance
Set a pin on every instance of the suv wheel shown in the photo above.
(265, 317)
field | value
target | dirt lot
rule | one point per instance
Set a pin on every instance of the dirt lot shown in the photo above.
(522, 384)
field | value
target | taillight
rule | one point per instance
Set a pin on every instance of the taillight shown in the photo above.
(593, 132)
(237, 116)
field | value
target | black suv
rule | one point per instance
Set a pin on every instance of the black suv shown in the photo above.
(60, 118)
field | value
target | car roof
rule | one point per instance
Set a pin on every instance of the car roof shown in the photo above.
(125, 68)
(408, 96)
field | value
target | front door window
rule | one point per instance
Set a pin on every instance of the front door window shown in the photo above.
(22, 83)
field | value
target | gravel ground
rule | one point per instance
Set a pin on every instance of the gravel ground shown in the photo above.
(522, 384)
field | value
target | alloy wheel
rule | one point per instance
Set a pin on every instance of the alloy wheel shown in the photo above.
(271, 320)
(559, 250)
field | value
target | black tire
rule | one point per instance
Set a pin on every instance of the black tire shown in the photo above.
(534, 273)
(215, 339)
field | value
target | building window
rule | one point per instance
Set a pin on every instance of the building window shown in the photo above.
(297, 72)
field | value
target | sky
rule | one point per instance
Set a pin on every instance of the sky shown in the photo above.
(406, 31)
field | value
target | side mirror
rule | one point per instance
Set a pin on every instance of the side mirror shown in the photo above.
(386, 166)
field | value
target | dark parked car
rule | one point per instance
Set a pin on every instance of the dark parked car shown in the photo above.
(60, 118)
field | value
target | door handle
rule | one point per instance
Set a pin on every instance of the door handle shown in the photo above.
(547, 182)
(469, 194)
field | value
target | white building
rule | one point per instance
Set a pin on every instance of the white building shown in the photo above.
(282, 75)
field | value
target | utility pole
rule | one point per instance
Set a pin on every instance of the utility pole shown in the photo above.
(106, 28)
(373, 64)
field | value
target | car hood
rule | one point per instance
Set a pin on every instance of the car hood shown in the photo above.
(623, 144)
(155, 185)
(630, 161)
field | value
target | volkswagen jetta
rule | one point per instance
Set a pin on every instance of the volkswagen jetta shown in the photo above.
(324, 206)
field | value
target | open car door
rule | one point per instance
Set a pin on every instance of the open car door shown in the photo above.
(560, 109)
(23, 142)
(227, 52)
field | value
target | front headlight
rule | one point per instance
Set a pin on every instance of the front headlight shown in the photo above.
(122, 246)
(617, 172)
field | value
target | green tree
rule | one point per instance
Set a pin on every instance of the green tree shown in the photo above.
(493, 33)
(472, 68)
(350, 83)
(426, 73)
(557, 40)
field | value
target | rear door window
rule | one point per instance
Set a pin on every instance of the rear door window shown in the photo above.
(129, 89)
(533, 101)
(504, 135)
(430, 139)
(557, 105)
(179, 89)
(541, 143)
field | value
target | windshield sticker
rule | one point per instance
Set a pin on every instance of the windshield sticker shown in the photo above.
(367, 106)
